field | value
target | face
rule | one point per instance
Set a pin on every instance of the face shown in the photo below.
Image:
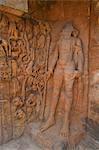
(66, 33)
(36, 29)
(48, 28)
(19, 42)
(13, 43)
(75, 33)
(31, 101)
(2, 64)
(42, 28)
(20, 25)
(17, 102)
(20, 114)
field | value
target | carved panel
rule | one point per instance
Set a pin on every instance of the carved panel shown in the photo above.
(31, 50)
(24, 50)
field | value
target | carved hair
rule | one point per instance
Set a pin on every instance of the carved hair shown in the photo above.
(68, 27)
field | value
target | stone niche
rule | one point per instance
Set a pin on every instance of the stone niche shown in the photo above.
(46, 62)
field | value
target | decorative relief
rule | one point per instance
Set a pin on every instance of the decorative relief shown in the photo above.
(25, 71)
(23, 62)
(66, 66)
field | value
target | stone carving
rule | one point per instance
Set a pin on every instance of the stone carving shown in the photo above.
(25, 70)
(66, 65)
(24, 47)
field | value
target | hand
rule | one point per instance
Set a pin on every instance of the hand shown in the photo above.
(48, 75)
(77, 74)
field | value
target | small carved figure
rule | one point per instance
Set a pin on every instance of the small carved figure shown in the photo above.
(31, 106)
(13, 33)
(3, 21)
(18, 102)
(3, 49)
(4, 67)
(4, 26)
(78, 55)
(65, 71)
(31, 101)
(20, 115)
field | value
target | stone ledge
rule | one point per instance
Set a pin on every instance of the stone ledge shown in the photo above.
(48, 140)
(11, 10)
(51, 140)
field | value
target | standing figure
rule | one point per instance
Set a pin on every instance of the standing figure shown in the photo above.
(13, 33)
(65, 71)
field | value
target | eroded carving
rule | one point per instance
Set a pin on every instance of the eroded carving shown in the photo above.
(67, 64)
(25, 68)
(23, 62)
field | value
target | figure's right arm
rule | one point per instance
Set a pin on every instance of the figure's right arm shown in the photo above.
(54, 58)
(53, 62)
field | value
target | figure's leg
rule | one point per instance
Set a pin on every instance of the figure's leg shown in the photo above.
(57, 81)
(68, 103)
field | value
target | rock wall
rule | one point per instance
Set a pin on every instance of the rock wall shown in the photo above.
(27, 49)
(93, 105)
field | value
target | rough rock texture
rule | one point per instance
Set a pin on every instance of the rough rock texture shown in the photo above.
(22, 143)
(51, 139)
(88, 144)
(22, 5)
(14, 7)
(33, 49)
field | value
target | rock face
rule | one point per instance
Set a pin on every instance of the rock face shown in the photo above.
(22, 5)
(14, 7)
(49, 73)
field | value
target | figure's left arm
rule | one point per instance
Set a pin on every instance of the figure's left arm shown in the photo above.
(80, 57)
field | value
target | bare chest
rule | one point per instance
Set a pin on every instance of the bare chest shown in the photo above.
(65, 46)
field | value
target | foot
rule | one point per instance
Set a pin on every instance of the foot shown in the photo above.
(65, 132)
(50, 122)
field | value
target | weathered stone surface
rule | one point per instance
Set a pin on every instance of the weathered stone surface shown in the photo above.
(93, 111)
(50, 69)
(49, 140)
(88, 144)
(14, 7)
(22, 5)
(27, 63)
(22, 143)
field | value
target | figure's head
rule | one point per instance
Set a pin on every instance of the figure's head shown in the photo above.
(28, 26)
(31, 101)
(13, 42)
(75, 32)
(36, 29)
(48, 27)
(18, 102)
(20, 114)
(20, 25)
(25, 59)
(67, 30)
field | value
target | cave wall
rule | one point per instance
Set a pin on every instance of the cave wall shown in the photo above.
(47, 19)
(85, 15)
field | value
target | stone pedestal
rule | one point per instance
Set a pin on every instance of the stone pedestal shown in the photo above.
(51, 139)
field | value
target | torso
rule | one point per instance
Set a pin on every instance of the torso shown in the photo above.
(66, 54)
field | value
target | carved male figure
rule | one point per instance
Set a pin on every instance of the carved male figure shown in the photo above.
(65, 71)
